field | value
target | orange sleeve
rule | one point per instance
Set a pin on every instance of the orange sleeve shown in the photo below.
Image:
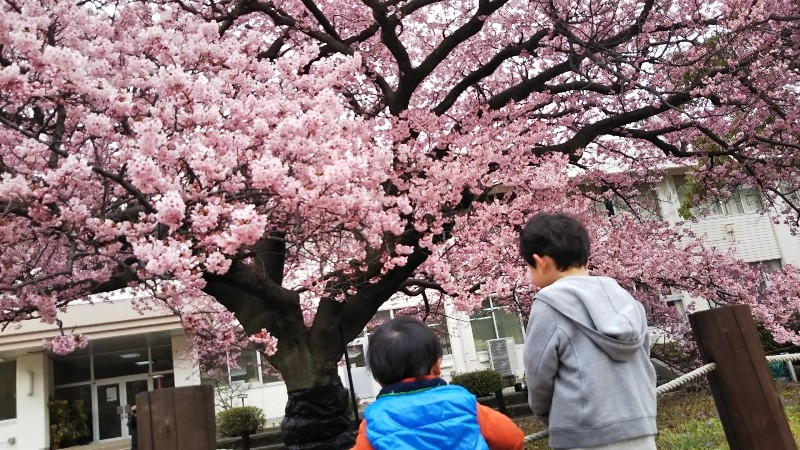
(362, 443)
(500, 432)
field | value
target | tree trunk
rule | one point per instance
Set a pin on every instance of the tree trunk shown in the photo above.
(318, 418)
(317, 413)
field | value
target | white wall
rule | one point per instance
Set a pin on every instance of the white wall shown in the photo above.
(271, 398)
(28, 431)
(8, 434)
(789, 245)
(186, 371)
(32, 395)
(751, 235)
(465, 357)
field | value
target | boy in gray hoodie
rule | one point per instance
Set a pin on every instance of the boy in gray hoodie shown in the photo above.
(587, 349)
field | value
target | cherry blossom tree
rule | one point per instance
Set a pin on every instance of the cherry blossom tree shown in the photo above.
(274, 171)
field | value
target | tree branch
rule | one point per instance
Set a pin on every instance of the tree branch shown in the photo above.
(143, 200)
(321, 19)
(410, 82)
(487, 69)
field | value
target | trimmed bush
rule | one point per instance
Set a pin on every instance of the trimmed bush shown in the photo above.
(481, 384)
(69, 422)
(234, 422)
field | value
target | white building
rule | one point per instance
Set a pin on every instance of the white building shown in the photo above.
(131, 352)
(735, 223)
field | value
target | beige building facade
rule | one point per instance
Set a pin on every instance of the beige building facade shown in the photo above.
(128, 353)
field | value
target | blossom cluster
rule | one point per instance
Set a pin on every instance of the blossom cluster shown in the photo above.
(249, 172)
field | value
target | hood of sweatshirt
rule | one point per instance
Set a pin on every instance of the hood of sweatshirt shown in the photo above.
(605, 312)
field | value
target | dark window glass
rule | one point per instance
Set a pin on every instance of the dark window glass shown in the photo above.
(117, 364)
(74, 395)
(8, 390)
(248, 370)
(162, 357)
(492, 322)
(72, 368)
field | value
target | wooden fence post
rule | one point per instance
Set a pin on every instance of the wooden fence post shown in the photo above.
(745, 394)
(177, 419)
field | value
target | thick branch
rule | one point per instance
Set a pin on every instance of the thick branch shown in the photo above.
(143, 200)
(271, 256)
(591, 131)
(360, 307)
(412, 79)
(58, 137)
(487, 69)
(535, 84)
(254, 312)
(281, 316)
(321, 19)
(122, 277)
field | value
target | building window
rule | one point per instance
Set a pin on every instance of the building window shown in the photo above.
(269, 374)
(445, 339)
(745, 200)
(253, 368)
(675, 301)
(494, 322)
(765, 268)
(356, 356)
(248, 368)
(8, 390)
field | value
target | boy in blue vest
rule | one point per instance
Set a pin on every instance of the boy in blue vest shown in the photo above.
(416, 409)
(587, 347)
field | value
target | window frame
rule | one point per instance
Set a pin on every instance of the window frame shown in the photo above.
(488, 312)
(736, 205)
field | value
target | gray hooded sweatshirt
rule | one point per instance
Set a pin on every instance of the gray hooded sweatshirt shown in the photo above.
(587, 363)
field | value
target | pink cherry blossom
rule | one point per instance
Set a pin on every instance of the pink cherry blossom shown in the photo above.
(288, 167)
(65, 343)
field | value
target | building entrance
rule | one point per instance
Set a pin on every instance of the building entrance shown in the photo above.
(114, 399)
(107, 375)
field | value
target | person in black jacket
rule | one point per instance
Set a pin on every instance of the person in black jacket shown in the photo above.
(132, 428)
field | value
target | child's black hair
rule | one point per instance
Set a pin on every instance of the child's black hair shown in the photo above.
(557, 235)
(403, 347)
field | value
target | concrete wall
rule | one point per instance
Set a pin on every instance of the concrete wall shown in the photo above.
(27, 431)
(186, 370)
(271, 398)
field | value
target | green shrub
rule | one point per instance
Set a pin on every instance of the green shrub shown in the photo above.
(236, 421)
(481, 384)
(69, 421)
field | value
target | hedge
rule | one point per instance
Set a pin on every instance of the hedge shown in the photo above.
(481, 384)
(234, 422)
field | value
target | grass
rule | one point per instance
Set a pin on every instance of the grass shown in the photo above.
(689, 420)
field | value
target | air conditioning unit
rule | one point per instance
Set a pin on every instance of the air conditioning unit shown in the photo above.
(503, 356)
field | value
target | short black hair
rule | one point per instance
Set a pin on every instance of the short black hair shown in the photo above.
(557, 235)
(403, 347)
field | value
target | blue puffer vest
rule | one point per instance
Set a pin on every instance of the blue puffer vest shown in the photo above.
(424, 414)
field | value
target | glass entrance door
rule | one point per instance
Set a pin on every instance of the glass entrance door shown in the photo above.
(113, 403)
(109, 411)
